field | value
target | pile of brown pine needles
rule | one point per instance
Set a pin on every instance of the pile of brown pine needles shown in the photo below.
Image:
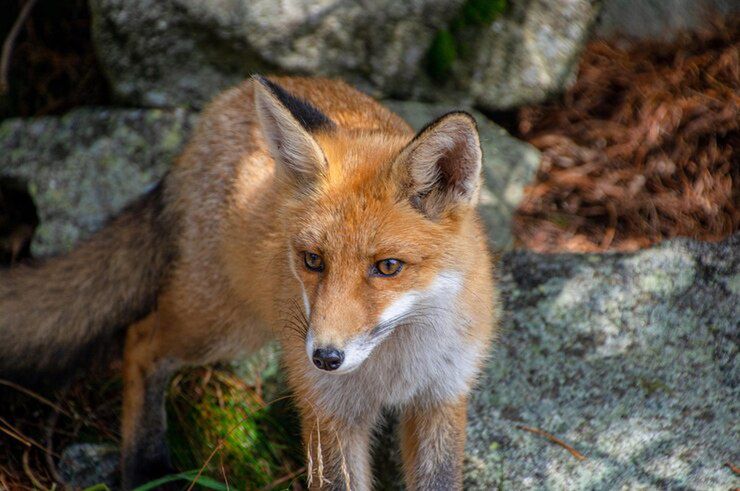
(645, 146)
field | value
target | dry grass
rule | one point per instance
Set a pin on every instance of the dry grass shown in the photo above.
(645, 146)
(34, 427)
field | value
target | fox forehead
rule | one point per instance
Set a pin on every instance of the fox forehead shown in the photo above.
(359, 156)
(349, 224)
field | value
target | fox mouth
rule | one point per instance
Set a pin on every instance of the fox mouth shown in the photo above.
(358, 349)
(353, 354)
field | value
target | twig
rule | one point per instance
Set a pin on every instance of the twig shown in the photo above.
(70, 414)
(51, 426)
(309, 459)
(735, 469)
(284, 479)
(3, 485)
(223, 472)
(27, 440)
(8, 44)
(29, 473)
(320, 451)
(611, 229)
(15, 435)
(578, 455)
(208, 460)
(345, 471)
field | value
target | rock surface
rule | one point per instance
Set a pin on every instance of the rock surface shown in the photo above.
(631, 359)
(83, 465)
(182, 52)
(528, 54)
(84, 166)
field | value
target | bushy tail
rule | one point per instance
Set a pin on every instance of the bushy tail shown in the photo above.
(52, 312)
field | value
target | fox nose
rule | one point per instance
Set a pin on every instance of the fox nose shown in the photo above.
(328, 358)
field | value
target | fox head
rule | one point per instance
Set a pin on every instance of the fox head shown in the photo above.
(377, 223)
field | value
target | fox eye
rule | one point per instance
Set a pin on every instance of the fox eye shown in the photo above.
(313, 262)
(387, 267)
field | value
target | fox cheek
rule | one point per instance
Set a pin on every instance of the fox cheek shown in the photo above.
(398, 308)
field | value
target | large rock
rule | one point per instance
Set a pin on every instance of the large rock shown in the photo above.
(529, 54)
(181, 52)
(494, 53)
(85, 465)
(631, 359)
(83, 167)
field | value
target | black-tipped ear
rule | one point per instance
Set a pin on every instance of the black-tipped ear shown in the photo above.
(443, 164)
(310, 117)
(297, 155)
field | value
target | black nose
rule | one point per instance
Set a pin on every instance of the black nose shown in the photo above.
(328, 358)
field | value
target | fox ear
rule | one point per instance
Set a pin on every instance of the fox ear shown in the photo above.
(442, 164)
(286, 123)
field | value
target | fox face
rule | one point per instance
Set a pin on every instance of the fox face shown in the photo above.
(361, 263)
(375, 224)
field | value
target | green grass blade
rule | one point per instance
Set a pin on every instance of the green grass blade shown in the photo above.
(97, 487)
(203, 481)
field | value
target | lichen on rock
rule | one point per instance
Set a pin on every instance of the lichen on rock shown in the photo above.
(84, 166)
(632, 359)
(492, 53)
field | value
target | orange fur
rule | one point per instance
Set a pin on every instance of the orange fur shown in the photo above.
(239, 280)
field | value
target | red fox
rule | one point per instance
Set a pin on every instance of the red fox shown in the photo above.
(304, 210)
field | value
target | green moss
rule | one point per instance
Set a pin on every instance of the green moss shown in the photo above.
(442, 54)
(448, 44)
(481, 12)
(219, 420)
(172, 139)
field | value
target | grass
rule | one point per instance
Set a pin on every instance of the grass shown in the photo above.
(219, 421)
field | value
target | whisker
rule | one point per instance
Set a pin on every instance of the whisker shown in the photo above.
(294, 319)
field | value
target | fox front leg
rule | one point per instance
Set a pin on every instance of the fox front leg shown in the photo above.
(337, 454)
(146, 376)
(432, 445)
